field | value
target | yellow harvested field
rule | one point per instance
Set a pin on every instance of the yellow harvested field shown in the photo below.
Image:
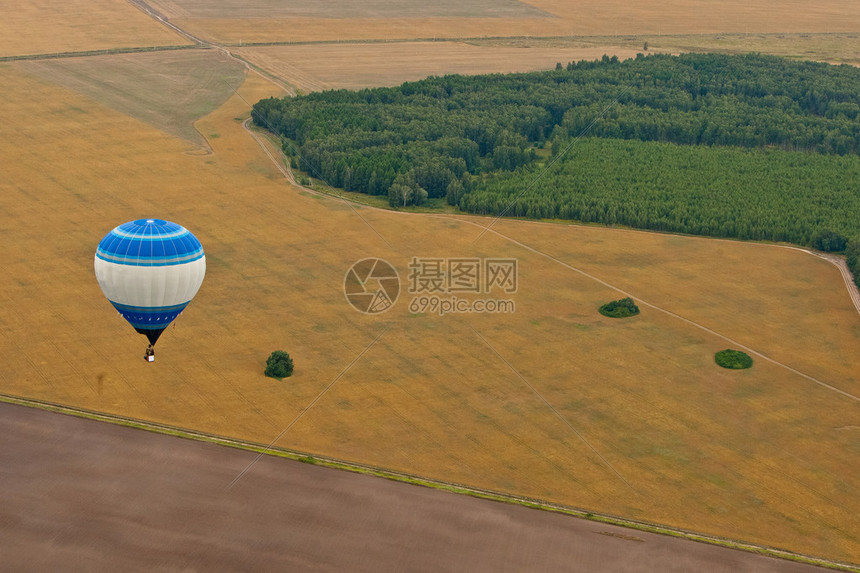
(319, 67)
(56, 26)
(765, 455)
(597, 17)
(238, 31)
(570, 18)
(737, 307)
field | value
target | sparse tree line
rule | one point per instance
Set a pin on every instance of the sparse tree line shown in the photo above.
(752, 147)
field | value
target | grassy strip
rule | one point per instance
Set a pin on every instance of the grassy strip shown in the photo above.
(108, 52)
(305, 457)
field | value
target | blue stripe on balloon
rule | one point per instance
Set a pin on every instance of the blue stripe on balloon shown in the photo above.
(141, 261)
(129, 308)
(150, 318)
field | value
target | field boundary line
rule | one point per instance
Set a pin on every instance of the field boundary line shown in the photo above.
(269, 77)
(105, 52)
(414, 479)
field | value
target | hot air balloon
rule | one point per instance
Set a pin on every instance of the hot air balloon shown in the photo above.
(149, 270)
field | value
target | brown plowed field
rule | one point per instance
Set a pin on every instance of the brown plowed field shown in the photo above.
(79, 495)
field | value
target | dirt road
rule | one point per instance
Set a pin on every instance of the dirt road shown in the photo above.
(80, 495)
(840, 263)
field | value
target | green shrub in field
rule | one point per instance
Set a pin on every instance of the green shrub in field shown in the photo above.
(619, 308)
(279, 365)
(734, 359)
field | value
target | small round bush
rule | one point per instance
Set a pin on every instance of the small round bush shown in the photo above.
(734, 359)
(619, 308)
(279, 365)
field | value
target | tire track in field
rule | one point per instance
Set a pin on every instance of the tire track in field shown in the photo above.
(156, 15)
(280, 165)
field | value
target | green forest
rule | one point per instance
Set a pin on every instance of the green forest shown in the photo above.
(762, 194)
(749, 147)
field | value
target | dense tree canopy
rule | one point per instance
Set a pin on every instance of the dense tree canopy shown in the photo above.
(752, 147)
(827, 240)
(763, 194)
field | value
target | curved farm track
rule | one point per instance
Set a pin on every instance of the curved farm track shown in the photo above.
(840, 263)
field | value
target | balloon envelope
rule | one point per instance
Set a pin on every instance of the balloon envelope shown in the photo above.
(150, 269)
